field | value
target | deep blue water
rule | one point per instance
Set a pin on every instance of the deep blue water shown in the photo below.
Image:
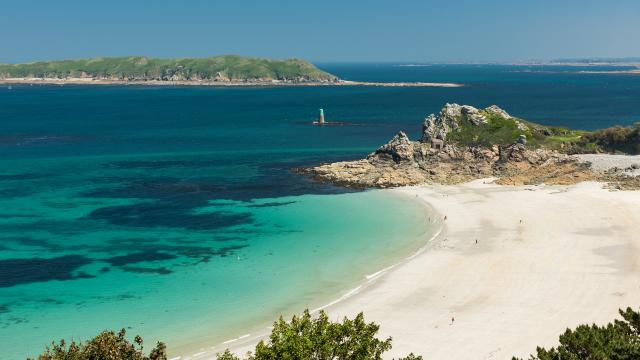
(173, 211)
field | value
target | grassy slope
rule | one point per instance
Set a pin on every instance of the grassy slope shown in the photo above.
(139, 67)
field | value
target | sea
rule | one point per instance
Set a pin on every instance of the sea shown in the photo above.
(175, 212)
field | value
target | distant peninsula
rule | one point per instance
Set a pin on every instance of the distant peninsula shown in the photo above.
(226, 70)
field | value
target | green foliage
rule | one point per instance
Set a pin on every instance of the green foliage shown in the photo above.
(498, 130)
(501, 131)
(142, 68)
(619, 340)
(411, 357)
(226, 355)
(614, 139)
(307, 337)
(106, 346)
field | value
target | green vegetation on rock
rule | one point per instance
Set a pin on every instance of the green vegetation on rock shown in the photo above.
(498, 130)
(468, 126)
(218, 68)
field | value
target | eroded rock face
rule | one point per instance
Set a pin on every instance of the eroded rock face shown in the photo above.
(448, 120)
(437, 127)
(515, 163)
(398, 149)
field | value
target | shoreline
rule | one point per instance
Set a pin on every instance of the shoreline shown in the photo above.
(275, 83)
(246, 339)
(522, 285)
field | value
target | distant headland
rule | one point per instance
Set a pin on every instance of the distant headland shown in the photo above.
(226, 70)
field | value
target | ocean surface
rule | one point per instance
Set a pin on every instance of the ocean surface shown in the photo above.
(173, 211)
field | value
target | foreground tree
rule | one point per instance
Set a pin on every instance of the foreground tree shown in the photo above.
(308, 337)
(619, 340)
(305, 337)
(106, 346)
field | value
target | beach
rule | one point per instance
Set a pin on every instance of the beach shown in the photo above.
(574, 259)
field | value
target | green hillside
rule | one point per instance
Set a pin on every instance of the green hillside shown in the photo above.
(220, 68)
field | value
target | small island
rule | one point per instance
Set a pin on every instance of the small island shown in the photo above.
(225, 70)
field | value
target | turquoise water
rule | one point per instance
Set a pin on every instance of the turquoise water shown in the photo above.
(197, 285)
(173, 211)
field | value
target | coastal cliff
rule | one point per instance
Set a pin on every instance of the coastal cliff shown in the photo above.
(463, 143)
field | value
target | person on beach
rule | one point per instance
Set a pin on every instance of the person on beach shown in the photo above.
(445, 218)
(452, 320)
(476, 241)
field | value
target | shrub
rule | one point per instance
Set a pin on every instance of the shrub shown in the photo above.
(619, 340)
(106, 346)
(308, 337)
(616, 139)
(305, 337)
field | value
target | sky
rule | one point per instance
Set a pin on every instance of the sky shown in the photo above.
(321, 31)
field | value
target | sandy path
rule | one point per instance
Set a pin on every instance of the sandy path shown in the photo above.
(575, 258)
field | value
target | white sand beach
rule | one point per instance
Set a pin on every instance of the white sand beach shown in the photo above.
(575, 258)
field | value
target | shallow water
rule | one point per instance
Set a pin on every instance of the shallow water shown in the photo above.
(173, 211)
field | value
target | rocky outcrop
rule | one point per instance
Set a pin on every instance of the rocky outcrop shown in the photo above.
(437, 127)
(393, 166)
(450, 118)
(368, 173)
(403, 162)
(398, 149)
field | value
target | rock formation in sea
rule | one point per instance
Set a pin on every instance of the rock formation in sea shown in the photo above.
(459, 144)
